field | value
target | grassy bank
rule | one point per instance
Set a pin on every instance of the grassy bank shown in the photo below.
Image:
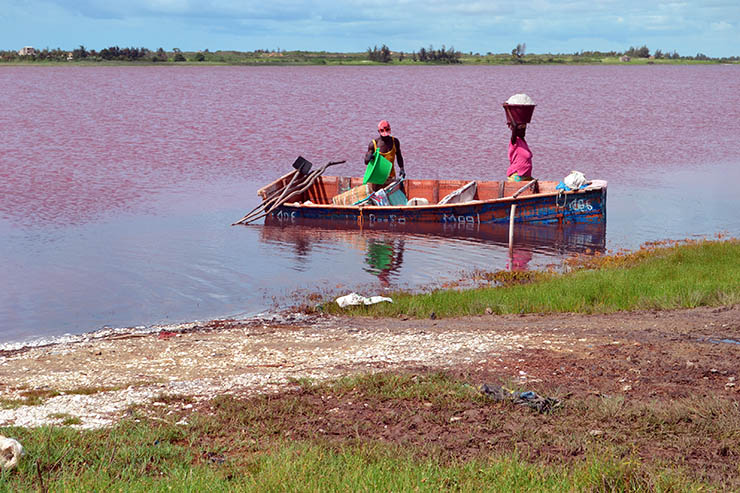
(143, 467)
(330, 437)
(703, 273)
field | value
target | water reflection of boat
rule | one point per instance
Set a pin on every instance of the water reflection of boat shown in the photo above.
(576, 238)
(491, 203)
(383, 257)
(383, 253)
(384, 247)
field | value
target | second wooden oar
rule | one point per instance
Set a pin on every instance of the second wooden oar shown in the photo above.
(302, 166)
(305, 186)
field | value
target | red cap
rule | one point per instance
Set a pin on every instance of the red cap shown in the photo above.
(384, 127)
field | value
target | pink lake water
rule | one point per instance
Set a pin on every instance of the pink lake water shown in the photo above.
(118, 184)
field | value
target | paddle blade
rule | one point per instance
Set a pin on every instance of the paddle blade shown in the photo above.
(302, 165)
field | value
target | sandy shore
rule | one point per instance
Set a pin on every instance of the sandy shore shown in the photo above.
(96, 380)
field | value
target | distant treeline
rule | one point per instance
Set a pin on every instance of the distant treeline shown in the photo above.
(111, 53)
(443, 55)
(518, 53)
(644, 52)
(133, 54)
(382, 55)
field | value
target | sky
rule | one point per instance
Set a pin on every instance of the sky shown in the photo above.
(711, 27)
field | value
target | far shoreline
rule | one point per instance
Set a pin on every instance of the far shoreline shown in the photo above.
(119, 63)
(115, 56)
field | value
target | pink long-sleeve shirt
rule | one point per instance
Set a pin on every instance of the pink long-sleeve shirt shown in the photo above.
(520, 158)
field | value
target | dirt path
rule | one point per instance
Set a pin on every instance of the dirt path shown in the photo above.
(643, 355)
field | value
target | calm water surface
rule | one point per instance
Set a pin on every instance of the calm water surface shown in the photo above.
(118, 184)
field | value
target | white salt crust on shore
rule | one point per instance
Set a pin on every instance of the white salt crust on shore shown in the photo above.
(237, 359)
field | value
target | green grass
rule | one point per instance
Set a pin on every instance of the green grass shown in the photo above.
(28, 398)
(704, 273)
(66, 419)
(36, 397)
(138, 457)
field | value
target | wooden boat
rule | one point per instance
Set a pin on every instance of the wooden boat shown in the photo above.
(541, 203)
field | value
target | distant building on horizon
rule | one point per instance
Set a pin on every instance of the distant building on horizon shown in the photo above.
(27, 51)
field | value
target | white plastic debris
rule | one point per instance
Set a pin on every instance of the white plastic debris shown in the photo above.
(356, 299)
(10, 452)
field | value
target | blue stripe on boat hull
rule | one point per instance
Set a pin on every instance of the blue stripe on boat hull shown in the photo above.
(585, 206)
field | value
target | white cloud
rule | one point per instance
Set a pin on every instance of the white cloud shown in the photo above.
(721, 26)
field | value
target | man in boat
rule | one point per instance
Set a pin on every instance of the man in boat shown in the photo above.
(390, 148)
(520, 157)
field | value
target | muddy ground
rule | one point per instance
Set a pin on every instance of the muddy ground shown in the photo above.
(651, 383)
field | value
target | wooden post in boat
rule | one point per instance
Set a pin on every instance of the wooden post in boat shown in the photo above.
(511, 222)
(511, 231)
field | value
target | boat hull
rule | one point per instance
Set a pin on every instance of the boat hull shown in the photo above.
(582, 206)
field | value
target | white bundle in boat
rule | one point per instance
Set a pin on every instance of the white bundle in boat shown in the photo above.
(466, 193)
(520, 99)
(418, 201)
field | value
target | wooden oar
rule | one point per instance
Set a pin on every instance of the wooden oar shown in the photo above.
(265, 203)
(302, 166)
(287, 187)
(272, 199)
(305, 185)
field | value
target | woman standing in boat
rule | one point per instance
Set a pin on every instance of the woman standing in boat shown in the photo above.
(519, 108)
(520, 157)
(390, 148)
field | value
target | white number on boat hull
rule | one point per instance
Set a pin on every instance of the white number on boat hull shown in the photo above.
(580, 205)
(392, 218)
(285, 215)
(451, 218)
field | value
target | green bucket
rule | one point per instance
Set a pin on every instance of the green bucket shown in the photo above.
(378, 170)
